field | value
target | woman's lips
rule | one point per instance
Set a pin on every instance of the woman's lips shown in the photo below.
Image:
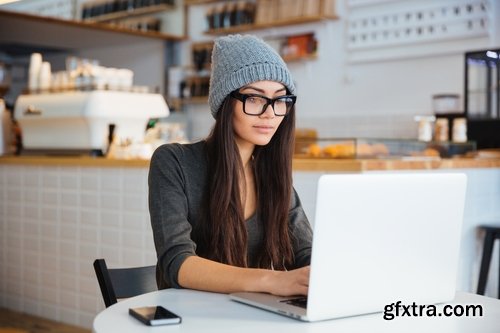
(264, 129)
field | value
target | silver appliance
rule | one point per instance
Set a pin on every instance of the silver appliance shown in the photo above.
(77, 122)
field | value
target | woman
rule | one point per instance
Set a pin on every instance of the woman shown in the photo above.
(225, 216)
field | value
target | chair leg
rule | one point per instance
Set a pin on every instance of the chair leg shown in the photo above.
(485, 262)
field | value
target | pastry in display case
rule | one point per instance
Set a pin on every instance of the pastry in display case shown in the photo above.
(368, 148)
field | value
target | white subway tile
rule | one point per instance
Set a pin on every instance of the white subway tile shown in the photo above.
(134, 183)
(50, 279)
(14, 302)
(31, 195)
(89, 251)
(69, 181)
(86, 268)
(14, 256)
(111, 254)
(111, 181)
(132, 239)
(149, 258)
(68, 249)
(68, 266)
(68, 315)
(148, 241)
(50, 197)
(69, 215)
(14, 241)
(89, 200)
(131, 257)
(133, 202)
(14, 287)
(69, 199)
(89, 217)
(16, 228)
(13, 210)
(48, 263)
(89, 182)
(31, 212)
(31, 306)
(49, 310)
(68, 299)
(110, 200)
(68, 283)
(87, 303)
(133, 221)
(50, 230)
(49, 247)
(68, 231)
(31, 291)
(31, 257)
(14, 178)
(89, 235)
(85, 319)
(50, 180)
(14, 194)
(89, 286)
(110, 237)
(110, 218)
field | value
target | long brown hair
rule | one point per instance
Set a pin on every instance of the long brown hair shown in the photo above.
(223, 236)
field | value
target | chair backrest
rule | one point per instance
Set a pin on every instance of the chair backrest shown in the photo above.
(119, 283)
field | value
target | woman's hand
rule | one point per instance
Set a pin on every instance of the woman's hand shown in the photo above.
(289, 283)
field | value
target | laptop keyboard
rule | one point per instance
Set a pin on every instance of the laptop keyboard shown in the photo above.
(301, 302)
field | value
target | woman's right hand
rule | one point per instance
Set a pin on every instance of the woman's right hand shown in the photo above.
(289, 283)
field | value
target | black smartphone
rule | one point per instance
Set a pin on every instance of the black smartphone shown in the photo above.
(155, 315)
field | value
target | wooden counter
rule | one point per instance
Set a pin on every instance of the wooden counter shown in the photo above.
(299, 164)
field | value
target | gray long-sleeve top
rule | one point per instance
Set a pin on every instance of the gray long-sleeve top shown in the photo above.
(177, 181)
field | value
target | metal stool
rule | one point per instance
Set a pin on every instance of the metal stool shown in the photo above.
(491, 234)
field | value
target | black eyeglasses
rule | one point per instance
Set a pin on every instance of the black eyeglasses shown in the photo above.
(255, 105)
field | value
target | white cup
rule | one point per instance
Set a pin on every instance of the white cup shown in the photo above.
(44, 80)
(34, 71)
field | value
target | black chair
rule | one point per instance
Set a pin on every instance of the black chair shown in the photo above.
(492, 233)
(119, 283)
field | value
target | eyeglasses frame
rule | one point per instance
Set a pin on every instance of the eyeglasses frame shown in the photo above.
(269, 101)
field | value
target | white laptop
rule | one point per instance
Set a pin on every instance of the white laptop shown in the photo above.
(378, 239)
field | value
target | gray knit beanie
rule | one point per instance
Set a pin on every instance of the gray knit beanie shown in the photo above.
(239, 60)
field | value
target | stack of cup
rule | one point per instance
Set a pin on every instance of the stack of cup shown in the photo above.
(45, 76)
(34, 72)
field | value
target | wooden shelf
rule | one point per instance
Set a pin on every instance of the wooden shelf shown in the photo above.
(130, 13)
(313, 56)
(177, 103)
(13, 23)
(195, 100)
(199, 2)
(261, 26)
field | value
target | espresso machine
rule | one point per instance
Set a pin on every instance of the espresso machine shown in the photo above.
(84, 122)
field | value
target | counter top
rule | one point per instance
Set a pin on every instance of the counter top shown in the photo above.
(299, 164)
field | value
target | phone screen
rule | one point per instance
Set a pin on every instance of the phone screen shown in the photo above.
(155, 315)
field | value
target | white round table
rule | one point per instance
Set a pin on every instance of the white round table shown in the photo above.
(211, 312)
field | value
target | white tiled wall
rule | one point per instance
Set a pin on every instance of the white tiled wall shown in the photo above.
(54, 222)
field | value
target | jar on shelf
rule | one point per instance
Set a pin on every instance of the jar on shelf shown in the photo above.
(459, 130)
(441, 130)
(425, 127)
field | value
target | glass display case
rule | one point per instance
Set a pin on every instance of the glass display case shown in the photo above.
(368, 148)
